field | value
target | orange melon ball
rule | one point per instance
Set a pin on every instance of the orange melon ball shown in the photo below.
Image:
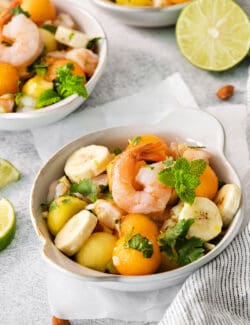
(209, 184)
(40, 11)
(138, 223)
(9, 77)
(130, 261)
(58, 63)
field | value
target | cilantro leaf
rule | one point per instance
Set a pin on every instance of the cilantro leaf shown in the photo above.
(135, 141)
(18, 96)
(53, 206)
(50, 28)
(85, 187)
(39, 68)
(18, 10)
(67, 84)
(48, 97)
(190, 250)
(175, 244)
(198, 166)
(184, 177)
(117, 151)
(141, 244)
(179, 231)
(92, 43)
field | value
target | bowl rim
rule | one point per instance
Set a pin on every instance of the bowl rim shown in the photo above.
(60, 105)
(168, 275)
(138, 9)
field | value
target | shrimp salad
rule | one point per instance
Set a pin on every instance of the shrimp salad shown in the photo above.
(44, 58)
(149, 3)
(151, 207)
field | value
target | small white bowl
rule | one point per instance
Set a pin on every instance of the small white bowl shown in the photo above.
(183, 125)
(142, 16)
(53, 113)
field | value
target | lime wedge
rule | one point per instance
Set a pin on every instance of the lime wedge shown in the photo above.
(213, 34)
(8, 173)
(7, 223)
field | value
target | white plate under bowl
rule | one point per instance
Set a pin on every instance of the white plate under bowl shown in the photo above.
(53, 113)
(182, 125)
(141, 16)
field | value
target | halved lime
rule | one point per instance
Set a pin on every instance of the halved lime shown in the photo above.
(8, 173)
(213, 34)
(7, 223)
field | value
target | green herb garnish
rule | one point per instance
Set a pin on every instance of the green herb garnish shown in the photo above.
(135, 141)
(174, 244)
(39, 68)
(53, 206)
(117, 151)
(50, 28)
(168, 162)
(184, 177)
(48, 97)
(18, 10)
(85, 187)
(67, 84)
(66, 201)
(92, 43)
(71, 35)
(141, 244)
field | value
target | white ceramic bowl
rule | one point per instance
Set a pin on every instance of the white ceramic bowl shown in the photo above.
(142, 16)
(192, 126)
(53, 113)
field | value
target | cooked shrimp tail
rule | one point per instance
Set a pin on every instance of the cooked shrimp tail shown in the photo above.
(154, 196)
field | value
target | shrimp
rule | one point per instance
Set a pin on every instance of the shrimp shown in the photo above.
(154, 196)
(86, 59)
(183, 150)
(26, 41)
(7, 103)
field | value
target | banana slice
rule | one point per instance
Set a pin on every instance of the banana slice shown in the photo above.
(228, 202)
(87, 162)
(75, 232)
(207, 219)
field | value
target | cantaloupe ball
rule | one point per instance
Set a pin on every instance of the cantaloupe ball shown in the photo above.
(9, 78)
(40, 11)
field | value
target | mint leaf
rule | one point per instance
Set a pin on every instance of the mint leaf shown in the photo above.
(141, 244)
(85, 187)
(18, 10)
(190, 250)
(182, 164)
(68, 84)
(50, 28)
(184, 177)
(135, 141)
(198, 166)
(167, 177)
(93, 43)
(48, 97)
(169, 162)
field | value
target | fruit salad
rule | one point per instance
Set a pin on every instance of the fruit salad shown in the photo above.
(44, 57)
(150, 207)
(149, 3)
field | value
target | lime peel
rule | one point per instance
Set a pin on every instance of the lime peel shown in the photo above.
(213, 35)
(8, 173)
(7, 223)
